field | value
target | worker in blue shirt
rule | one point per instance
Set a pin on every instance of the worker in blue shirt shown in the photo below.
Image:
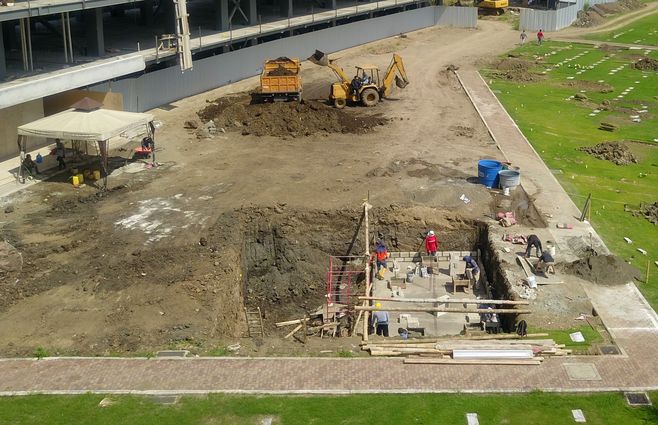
(472, 270)
(381, 317)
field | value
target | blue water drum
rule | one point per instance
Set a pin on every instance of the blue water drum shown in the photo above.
(488, 172)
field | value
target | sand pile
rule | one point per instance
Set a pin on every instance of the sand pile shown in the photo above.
(602, 269)
(286, 119)
(614, 152)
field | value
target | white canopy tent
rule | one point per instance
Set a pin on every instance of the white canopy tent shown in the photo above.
(85, 122)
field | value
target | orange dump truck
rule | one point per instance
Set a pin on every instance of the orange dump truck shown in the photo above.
(280, 80)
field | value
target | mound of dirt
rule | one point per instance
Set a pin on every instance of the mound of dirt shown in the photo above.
(602, 269)
(596, 14)
(646, 64)
(514, 69)
(285, 119)
(589, 86)
(617, 153)
(648, 211)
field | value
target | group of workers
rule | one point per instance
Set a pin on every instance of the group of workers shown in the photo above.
(381, 318)
(546, 261)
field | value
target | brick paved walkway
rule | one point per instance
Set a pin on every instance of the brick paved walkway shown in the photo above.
(623, 309)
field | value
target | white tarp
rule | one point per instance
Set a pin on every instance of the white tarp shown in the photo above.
(96, 125)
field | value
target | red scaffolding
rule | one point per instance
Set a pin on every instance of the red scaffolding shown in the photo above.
(342, 277)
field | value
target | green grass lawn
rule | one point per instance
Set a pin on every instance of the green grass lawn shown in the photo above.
(561, 336)
(557, 125)
(522, 409)
(643, 31)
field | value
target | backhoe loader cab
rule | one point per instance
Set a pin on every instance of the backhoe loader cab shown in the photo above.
(369, 86)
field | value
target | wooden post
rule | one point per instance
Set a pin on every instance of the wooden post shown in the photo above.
(366, 313)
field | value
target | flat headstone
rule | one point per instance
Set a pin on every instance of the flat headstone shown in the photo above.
(578, 415)
(267, 421)
(472, 419)
(582, 371)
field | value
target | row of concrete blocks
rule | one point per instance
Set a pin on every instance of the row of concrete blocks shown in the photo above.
(440, 256)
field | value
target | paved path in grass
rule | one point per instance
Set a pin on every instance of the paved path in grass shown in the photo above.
(623, 309)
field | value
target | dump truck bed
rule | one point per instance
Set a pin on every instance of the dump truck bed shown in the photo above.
(280, 79)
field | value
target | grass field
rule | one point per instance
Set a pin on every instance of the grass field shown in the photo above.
(643, 31)
(522, 409)
(557, 125)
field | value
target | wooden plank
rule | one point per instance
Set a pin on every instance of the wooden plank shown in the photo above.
(445, 309)
(419, 360)
(447, 301)
(292, 332)
(291, 322)
(468, 338)
(521, 260)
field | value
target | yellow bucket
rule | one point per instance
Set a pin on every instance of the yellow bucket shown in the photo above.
(97, 175)
(81, 178)
(75, 181)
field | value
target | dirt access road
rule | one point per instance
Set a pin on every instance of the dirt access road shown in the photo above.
(167, 258)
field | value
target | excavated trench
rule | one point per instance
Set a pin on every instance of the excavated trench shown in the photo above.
(285, 252)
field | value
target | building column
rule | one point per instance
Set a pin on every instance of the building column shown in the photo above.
(250, 9)
(285, 8)
(221, 15)
(169, 16)
(3, 61)
(146, 12)
(334, 6)
(94, 31)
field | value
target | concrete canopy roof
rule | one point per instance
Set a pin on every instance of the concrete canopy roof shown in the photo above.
(95, 125)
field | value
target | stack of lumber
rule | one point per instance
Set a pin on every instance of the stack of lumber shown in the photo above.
(503, 351)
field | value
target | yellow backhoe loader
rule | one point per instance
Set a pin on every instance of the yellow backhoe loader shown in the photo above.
(366, 87)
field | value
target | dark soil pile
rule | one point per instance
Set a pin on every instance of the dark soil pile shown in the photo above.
(286, 119)
(596, 14)
(648, 211)
(614, 152)
(602, 269)
(646, 64)
(514, 69)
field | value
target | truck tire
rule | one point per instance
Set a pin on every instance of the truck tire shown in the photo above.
(340, 103)
(369, 97)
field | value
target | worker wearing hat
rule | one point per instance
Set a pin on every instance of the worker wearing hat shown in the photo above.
(431, 243)
(381, 317)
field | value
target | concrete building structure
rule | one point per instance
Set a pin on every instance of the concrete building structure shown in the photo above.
(49, 47)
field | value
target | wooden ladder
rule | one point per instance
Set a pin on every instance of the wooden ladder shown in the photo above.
(254, 323)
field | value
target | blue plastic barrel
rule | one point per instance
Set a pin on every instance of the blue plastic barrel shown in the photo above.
(488, 172)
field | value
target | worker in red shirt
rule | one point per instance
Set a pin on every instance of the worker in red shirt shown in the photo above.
(540, 36)
(431, 243)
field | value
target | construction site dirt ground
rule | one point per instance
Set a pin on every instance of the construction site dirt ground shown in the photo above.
(169, 257)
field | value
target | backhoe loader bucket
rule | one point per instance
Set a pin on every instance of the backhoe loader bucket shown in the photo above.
(400, 82)
(319, 58)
